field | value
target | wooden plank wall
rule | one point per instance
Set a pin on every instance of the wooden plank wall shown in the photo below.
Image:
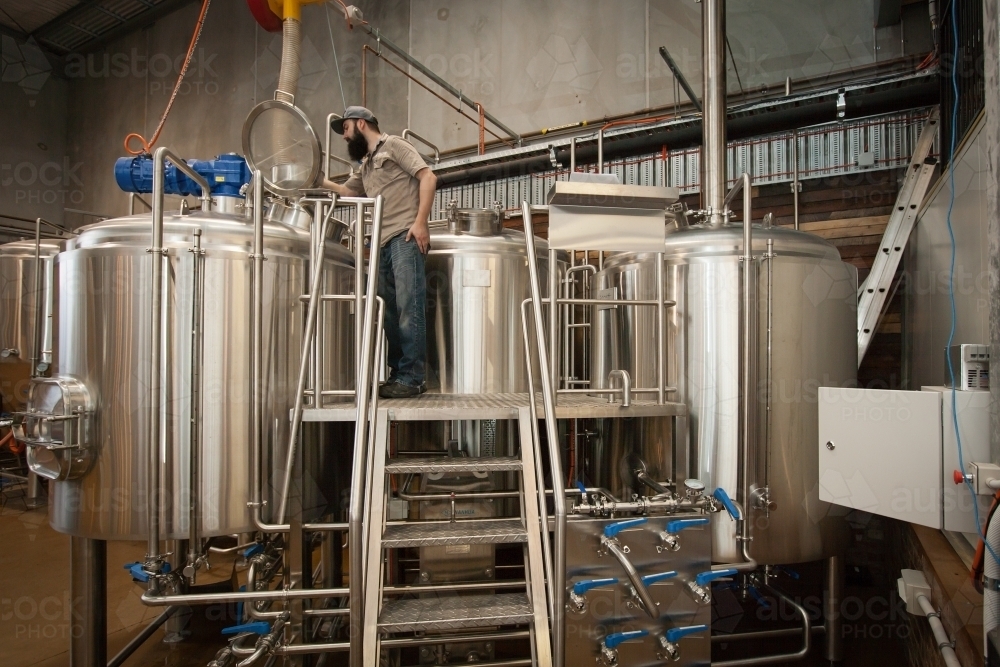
(851, 211)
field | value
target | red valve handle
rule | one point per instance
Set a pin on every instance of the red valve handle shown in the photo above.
(958, 477)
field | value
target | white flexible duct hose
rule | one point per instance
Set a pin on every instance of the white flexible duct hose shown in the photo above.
(288, 76)
(288, 86)
(991, 599)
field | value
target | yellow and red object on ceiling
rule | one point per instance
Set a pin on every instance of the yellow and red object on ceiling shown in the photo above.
(270, 13)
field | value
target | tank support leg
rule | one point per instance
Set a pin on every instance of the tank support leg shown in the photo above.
(35, 497)
(831, 609)
(177, 628)
(88, 590)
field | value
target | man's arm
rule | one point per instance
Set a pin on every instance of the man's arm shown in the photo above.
(418, 230)
(341, 190)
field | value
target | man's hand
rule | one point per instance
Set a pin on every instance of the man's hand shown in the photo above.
(418, 232)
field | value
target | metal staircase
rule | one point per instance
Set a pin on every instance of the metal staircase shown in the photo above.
(874, 294)
(448, 612)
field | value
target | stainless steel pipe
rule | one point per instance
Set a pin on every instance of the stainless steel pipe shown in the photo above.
(552, 433)
(154, 561)
(365, 381)
(194, 461)
(713, 41)
(88, 645)
(806, 632)
(539, 474)
(307, 340)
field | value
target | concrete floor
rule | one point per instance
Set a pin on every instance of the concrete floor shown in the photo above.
(35, 617)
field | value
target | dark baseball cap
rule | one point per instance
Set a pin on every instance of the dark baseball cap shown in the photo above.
(361, 113)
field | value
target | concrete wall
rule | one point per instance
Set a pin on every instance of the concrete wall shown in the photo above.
(536, 65)
(928, 261)
(37, 175)
(532, 64)
(126, 87)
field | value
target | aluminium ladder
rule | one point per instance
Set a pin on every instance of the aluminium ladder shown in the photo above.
(873, 294)
(438, 611)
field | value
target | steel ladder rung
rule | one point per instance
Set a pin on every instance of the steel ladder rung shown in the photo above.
(455, 612)
(442, 464)
(426, 534)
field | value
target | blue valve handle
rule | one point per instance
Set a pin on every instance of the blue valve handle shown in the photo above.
(675, 634)
(581, 487)
(709, 576)
(761, 600)
(723, 497)
(582, 587)
(257, 628)
(613, 529)
(677, 525)
(650, 579)
(613, 640)
(253, 550)
(139, 574)
(789, 571)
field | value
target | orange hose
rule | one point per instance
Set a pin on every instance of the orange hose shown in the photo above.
(14, 446)
(147, 146)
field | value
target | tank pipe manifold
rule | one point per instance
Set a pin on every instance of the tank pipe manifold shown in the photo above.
(611, 545)
(606, 505)
(153, 562)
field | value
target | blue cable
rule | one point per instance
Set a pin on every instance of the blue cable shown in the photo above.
(951, 280)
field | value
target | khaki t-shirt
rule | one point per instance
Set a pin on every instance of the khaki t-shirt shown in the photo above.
(391, 171)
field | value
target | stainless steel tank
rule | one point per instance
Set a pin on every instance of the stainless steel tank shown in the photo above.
(477, 277)
(19, 299)
(813, 307)
(102, 330)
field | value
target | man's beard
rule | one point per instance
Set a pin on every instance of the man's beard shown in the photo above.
(357, 147)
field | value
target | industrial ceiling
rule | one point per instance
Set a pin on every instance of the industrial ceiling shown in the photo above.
(65, 26)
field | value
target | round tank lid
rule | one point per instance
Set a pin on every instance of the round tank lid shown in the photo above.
(279, 140)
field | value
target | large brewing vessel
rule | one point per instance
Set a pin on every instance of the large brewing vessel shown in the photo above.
(19, 318)
(102, 333)
(813, 343)
(477, 278)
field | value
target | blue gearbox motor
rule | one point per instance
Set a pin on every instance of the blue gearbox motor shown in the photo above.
(226, 174)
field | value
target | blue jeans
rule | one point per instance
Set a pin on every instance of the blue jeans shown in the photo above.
(402, 284)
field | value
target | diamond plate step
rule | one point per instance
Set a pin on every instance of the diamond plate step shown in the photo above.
(445, 464)
(455, 612)
(426, 534)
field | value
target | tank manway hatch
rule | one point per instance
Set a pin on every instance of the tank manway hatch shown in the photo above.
(606, 216)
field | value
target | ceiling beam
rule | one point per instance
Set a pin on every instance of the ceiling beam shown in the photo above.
(12, 32)
(137, 22)
(64, 18)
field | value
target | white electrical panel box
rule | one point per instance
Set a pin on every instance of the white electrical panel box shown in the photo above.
(894, 453)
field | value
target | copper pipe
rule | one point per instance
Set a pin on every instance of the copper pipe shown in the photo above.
(482, 128)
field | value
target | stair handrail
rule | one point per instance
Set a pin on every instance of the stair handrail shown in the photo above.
(555, 461)
(367, 379)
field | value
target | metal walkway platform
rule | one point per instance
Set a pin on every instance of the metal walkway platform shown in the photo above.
(433, 407)
(456, 612)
